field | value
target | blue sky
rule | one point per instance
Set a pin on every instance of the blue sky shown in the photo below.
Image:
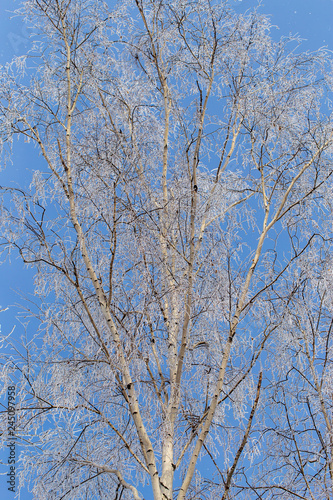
(311, 19)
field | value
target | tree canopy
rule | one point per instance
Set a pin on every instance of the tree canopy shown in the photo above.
(179, 223)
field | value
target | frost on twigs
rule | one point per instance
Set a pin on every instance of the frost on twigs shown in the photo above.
(178, 221)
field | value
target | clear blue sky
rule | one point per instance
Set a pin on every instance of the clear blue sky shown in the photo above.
(311, 19)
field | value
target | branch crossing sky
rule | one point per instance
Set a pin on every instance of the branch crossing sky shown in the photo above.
(310, 19)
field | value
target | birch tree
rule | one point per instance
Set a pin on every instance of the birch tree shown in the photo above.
(179, 206)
